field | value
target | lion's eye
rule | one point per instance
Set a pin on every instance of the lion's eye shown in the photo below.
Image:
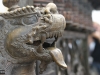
(29, 20)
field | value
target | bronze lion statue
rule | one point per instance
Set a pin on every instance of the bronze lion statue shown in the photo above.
(24, 33)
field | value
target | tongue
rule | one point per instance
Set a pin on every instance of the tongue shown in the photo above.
(57, 57)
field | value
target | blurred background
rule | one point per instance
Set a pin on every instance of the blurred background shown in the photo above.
(80, 43)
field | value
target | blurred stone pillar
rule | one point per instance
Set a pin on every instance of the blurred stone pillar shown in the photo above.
(85, 57)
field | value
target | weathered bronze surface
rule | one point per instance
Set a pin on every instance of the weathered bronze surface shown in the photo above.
(23, 35)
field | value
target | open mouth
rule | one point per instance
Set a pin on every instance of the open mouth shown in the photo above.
(56, 53)
(44, 40)
(46, 44)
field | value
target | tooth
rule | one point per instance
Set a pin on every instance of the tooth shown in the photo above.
(43, 38)
(30, 40)
(59, 34)
(47, 35)
(53, 34)
(50, 34)
(56, 34)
